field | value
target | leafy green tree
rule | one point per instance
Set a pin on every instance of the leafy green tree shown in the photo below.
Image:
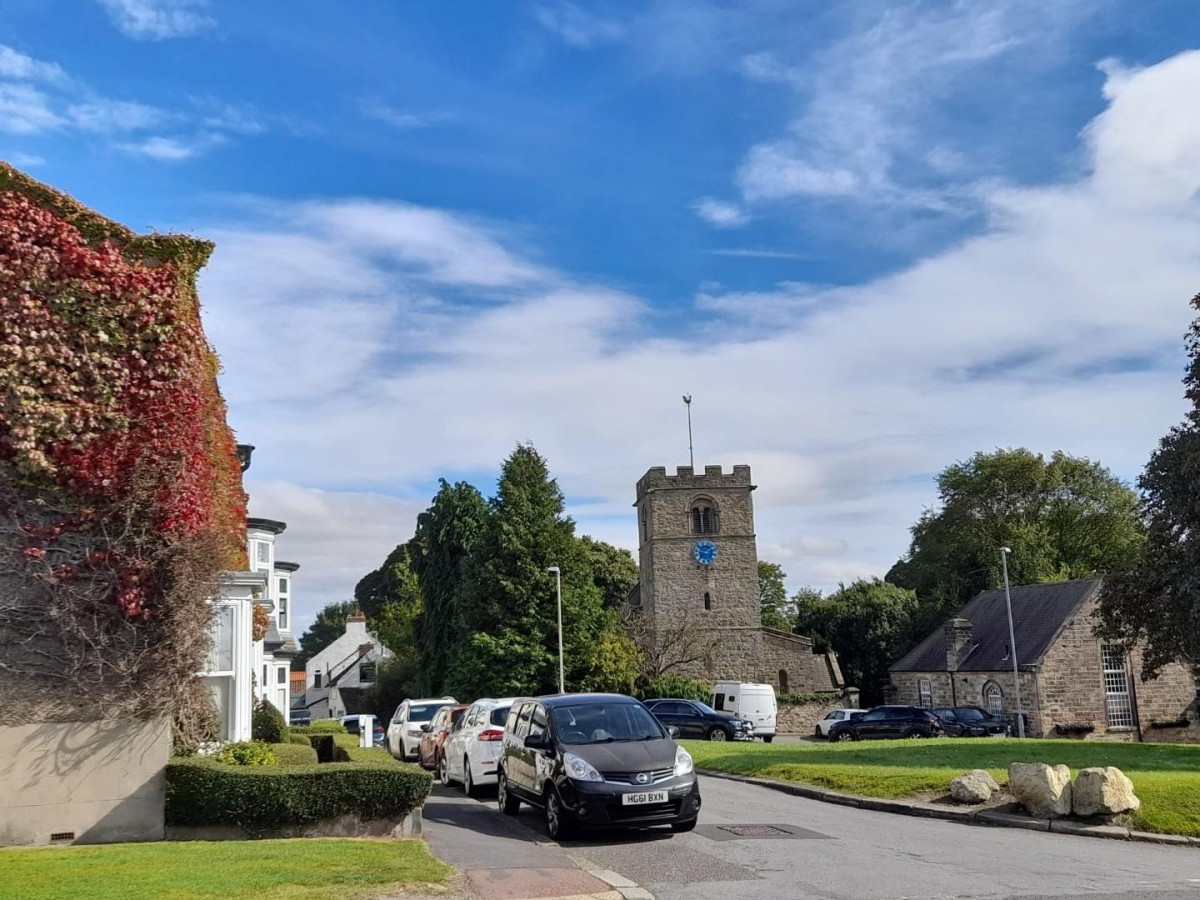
(1064, 518)
(777, 612)
(868, 624)
(446, 534)
(393, 582)
(1157, 600)
(613, 570)
(327, 627)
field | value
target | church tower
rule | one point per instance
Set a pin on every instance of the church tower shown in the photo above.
(699, 566)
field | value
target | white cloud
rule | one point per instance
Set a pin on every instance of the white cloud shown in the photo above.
(107, 116)
(756, 253)
(16, 65)
(720, 213)
(169, 149)
(25, 110)
(405, 120)
(157, 20)
(577, 26)
(26, 160)
(376, 346)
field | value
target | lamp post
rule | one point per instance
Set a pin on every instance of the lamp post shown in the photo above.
(558, 590)
(1012, 642)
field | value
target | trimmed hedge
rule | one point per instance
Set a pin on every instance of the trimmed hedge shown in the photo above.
(301, 739)
(267, 724)
(320, 726)
(201, 792)
(294, 755)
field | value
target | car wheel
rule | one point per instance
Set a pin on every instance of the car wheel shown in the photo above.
(678, 827)
(768, 738)
(845, 735)
(443, 771)
(912, 733)
(468, 781)
(717, 733)
(509, 805)
(557, 825)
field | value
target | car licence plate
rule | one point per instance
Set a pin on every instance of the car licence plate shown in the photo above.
(643, 797)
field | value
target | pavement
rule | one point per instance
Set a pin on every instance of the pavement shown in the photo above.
(753, 842)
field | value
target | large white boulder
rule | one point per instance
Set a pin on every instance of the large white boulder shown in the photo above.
(976, 786)
(1044, 791)
(1103, 792)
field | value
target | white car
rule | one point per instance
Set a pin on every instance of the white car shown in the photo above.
(472, 749)
(404, 731)
(833, 717)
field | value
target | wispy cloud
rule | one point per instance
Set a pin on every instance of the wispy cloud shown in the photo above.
(26, 110)
(106, 116)
(168, 149)
(402, 118)
(577, 26)
(157, 20)
(16, 65)
(26, 160)
(752, 253)
(720, 213)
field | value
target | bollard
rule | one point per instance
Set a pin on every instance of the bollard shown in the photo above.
(366, 731)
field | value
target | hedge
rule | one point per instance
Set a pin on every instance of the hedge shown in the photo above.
(201, 792)
(294, 755)
(320, 726)
(301, 739)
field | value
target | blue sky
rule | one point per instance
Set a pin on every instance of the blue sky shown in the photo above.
(869, 239)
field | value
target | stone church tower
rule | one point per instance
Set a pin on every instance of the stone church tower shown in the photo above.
(699, 565)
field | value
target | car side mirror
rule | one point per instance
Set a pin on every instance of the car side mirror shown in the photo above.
(673, 731)
(426, 727)
(536, 742)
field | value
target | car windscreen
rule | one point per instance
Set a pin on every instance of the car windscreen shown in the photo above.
(969, 715)
(705, 708)
(499, 716)
(602, 723)
(423, 713)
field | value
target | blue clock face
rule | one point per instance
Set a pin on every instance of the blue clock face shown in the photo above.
(705, 552)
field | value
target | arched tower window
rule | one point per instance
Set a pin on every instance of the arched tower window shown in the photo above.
(783, 681)
(707, 600)
(705, 519)
(993, 698)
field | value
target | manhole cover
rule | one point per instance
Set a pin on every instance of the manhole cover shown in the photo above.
(758, 832)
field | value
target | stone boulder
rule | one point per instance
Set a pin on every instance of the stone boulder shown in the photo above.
(1103, 792)
(976, 786)
(1044, 791)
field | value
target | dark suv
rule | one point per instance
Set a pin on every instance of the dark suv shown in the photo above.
(888, 722)
(699, 721)
(597, 761)
(971, 721)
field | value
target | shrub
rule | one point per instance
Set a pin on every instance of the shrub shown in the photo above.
(321, 726)
(246, 753)
(811, 697)
(301, 739)
(1181, 722)
(294, 755)
(267, 724)
(203, 793)
(676, 686)
(1074, 727)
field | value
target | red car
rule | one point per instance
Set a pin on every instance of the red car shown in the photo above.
(433, 737)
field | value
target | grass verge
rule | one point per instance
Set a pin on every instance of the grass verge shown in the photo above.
(1165, 776)
(274, 870)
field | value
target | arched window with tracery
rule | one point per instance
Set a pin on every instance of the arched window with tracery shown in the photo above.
(993, 698)
(704, 518)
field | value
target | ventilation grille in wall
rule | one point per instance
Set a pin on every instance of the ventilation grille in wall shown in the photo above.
(63, 836)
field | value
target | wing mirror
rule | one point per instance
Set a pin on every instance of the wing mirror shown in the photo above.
(426, 727)
(536, 742)
(673, 731)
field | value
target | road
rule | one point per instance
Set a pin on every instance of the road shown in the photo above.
(838, 853)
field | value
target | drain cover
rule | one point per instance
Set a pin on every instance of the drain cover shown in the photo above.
(758, 832)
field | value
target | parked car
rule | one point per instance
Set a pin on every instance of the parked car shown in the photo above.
(596, 761)
(700, 721)
(755, 702)
(378, 734)
(299, 715)
(472, 750)
(404, 731)
(971, 721)
(834, 716)
(888, 722)
(433, 738)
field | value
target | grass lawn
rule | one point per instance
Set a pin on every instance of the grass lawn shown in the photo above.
(182, 870)
(1165, 776)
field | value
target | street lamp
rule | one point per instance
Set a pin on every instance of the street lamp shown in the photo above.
(1012, 641)
(558, 590)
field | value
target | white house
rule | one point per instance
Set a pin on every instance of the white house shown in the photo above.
(339, 679)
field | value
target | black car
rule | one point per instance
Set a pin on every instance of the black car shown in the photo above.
(700, 721)
(970, 721)
(889, 722)
(596, 761)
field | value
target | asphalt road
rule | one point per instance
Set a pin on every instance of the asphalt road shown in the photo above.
(838, 853)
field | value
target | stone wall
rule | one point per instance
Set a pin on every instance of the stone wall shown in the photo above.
(83, 783)
(802, 718)
(789, 658)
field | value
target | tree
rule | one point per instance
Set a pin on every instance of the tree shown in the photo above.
(327, 627)
(393, 582)
(672, 649)
(772, 596)
(1063, 518)
(614, 571)
(1157, 600)
(868, 624)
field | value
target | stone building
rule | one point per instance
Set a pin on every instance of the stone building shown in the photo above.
(1071, 681)
(699, 582)
(340, 679)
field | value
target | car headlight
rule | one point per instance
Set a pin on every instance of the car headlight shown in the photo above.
(683, 762)
(580, 769)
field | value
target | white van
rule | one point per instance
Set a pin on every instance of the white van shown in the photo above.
(755, 702)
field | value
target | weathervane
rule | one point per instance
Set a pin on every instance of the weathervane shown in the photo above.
(687, 401)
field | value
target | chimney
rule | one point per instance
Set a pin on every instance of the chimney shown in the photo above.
(959, 635)
(356, 626)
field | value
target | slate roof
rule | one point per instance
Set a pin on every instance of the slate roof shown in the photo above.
(357, 700)
(1039, 613)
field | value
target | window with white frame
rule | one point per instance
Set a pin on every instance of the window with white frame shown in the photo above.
(1116, 686)
(262, 551)
(283, 604)
(925, 688)
(993, 698)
